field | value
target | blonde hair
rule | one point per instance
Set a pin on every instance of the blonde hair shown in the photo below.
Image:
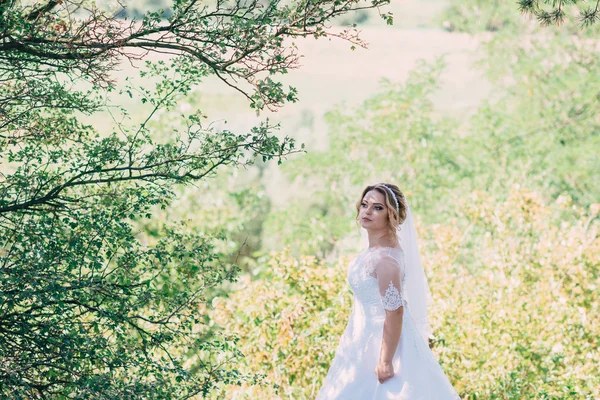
(396, 216)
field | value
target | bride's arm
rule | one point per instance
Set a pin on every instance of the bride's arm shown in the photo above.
(392, 328)
(390, 288)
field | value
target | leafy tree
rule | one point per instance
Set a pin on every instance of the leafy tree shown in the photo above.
(554, 12)
(494, 15)
(88, 307)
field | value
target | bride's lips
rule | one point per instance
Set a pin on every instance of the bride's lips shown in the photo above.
(366, 219)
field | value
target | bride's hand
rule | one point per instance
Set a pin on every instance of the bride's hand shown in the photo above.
(384, 371)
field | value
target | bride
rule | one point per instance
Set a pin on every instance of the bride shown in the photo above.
(383, 352)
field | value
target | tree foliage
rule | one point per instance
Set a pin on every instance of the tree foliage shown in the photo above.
(554, 12)
(494, 15)
(89, 307)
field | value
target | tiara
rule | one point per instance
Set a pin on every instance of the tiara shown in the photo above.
(393, 195)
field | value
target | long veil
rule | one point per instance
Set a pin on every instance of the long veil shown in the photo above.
(416, 288)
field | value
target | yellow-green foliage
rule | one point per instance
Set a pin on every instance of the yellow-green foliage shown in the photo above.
(516, 298)
(514, 315)
(288, 322)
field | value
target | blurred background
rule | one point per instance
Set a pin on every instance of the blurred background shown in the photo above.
(490, 125)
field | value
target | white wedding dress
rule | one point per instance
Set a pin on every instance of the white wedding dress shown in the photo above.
(377, 278)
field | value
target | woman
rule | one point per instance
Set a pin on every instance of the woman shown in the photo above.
(383, 352)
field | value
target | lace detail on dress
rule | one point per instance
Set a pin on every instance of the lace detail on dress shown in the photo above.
(379, 280)
(370, 268)
(392, 299)
(371, 256)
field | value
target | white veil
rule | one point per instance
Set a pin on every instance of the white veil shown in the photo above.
(416, 288)
(418, 295)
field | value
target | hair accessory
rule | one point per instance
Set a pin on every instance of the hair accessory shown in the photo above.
(393, 195)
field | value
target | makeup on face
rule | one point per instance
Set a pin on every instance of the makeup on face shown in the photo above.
(374, 202)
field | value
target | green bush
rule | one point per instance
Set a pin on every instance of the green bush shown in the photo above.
(513, 314)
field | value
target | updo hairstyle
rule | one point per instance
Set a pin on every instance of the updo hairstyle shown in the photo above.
(396, 216)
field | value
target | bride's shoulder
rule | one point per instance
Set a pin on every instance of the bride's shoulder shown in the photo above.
(376, 255)
(384, 251)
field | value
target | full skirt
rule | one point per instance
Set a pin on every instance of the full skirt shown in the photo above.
(352, 376)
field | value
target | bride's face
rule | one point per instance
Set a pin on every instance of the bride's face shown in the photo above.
(373, 213)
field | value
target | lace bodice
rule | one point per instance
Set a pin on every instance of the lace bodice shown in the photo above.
(377, 278)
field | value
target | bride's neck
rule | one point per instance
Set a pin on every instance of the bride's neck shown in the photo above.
(381, 239)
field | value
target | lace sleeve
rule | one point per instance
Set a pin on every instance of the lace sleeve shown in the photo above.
(390, 277)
